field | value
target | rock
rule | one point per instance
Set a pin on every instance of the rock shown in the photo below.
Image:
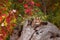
(43, 32)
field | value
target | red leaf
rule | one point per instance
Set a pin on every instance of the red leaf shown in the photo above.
(1, 38)
(25, 6)
(4, 9)
(4, 32)
(13, 24)
(0, 12)
(20, 1)
(31, 3)
(27, 11)
(6, 0)
(1, 4)
(38, 4)
(8, 27)
(4, 15)
(1, 19)
(8, 19)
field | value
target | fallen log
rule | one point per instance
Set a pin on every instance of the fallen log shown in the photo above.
(37, 30)
(42, 32)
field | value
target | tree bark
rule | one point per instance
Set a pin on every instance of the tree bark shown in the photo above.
(43, 32)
